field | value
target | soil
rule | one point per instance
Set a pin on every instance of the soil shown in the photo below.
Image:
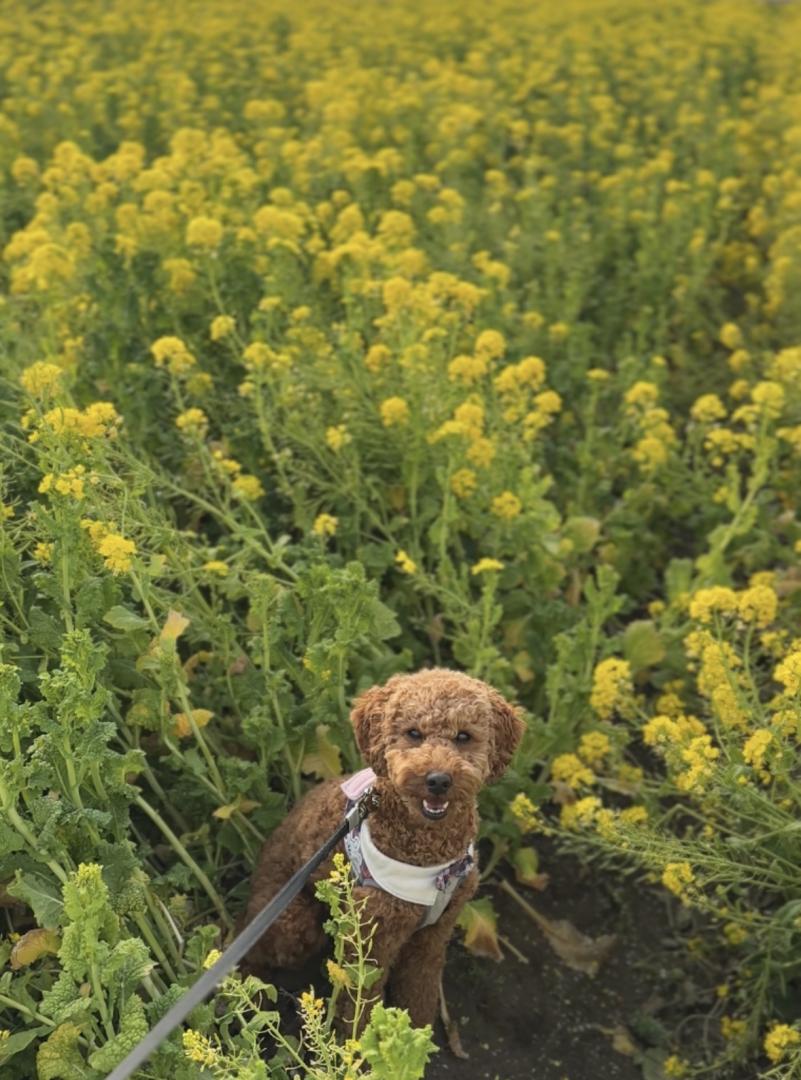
(536, 1018)
(540, 1018)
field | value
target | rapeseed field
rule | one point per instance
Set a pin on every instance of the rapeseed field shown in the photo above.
(337, 339)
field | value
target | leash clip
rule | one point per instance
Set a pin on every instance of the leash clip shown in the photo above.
(360, 809)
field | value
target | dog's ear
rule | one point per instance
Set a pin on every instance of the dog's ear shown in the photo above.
(507, 731)
(367, 717)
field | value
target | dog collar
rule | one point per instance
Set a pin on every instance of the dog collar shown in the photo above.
(430, 886)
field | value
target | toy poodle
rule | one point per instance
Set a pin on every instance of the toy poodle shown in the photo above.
(430, 740)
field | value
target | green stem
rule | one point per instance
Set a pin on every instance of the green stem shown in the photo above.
(186, 858)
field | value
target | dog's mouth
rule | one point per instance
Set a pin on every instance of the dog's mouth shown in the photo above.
(434, 808)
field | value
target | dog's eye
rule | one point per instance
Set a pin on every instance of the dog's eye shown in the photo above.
(463, 737)
(414, 734)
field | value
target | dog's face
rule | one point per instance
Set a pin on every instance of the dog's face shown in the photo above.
(438, 735)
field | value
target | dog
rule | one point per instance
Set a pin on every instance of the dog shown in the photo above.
(430, 741)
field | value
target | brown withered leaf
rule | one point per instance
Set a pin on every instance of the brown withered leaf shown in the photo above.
(577, 950)
(479, 922)
(563, 794)
(622, 1039)
(526, 866)
(239, 666)
(32, 945)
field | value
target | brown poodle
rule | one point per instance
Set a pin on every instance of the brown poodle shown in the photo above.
(431, 740)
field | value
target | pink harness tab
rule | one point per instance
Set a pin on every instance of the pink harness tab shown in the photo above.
(355, 786)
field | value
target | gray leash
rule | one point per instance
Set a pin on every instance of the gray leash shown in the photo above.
(239, 947)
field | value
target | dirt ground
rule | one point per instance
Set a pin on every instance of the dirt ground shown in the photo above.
(541, 1020)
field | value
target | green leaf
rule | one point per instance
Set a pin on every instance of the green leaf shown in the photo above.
(122, 618)
(42, 894)
(393, 1048)
(14, 1044)
(642, 644)
(382, 621)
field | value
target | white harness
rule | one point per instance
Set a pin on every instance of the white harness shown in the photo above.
(430, 886)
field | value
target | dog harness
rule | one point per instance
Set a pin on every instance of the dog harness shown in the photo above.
(430, 886)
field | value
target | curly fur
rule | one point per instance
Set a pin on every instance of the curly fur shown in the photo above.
(439, 704)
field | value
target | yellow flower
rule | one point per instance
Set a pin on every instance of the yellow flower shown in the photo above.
(731, 336)
(674, 1066)
(611, 687)
(174, 353)
(788, 672)
(485, 566)
(598, 375)
(199, 1049)
(678, 877)
(117, 552)
(311, 1005)
(506, 506)
(221, 327)
(247, 487)
(525, 813)
(707, 409)
(337, 437)
(394, 412)
(211, 959)
(467, 369)
(570, 770)
(337, 974)
(405, 564)
(758, 605)
(6, 511)
(580, 813)
(593, 747)
(215, 566)
(43, 552)
(325, 525)
(463, 483)
(756, 746)
(716, 599)
(192, 421)
(490, 345)
(778, 1041)
(41, 379)
(204, 232)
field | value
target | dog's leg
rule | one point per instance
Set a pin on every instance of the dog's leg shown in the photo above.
(391, 922)
(415, 977)
(296, 935)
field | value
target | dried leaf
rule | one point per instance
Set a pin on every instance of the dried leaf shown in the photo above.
(622, 1039)
(174, 626)
(238, 666)
(479, 922)
(201, 657)
(32, 945)
(324, 760)
(563, 795)
(526, 864)
(182, 726)
(577, 950)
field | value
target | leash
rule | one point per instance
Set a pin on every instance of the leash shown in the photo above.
(239, 947)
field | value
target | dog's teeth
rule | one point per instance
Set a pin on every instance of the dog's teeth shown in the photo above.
(438, 810)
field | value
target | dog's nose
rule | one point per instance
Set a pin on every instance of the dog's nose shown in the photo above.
(438, 782)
